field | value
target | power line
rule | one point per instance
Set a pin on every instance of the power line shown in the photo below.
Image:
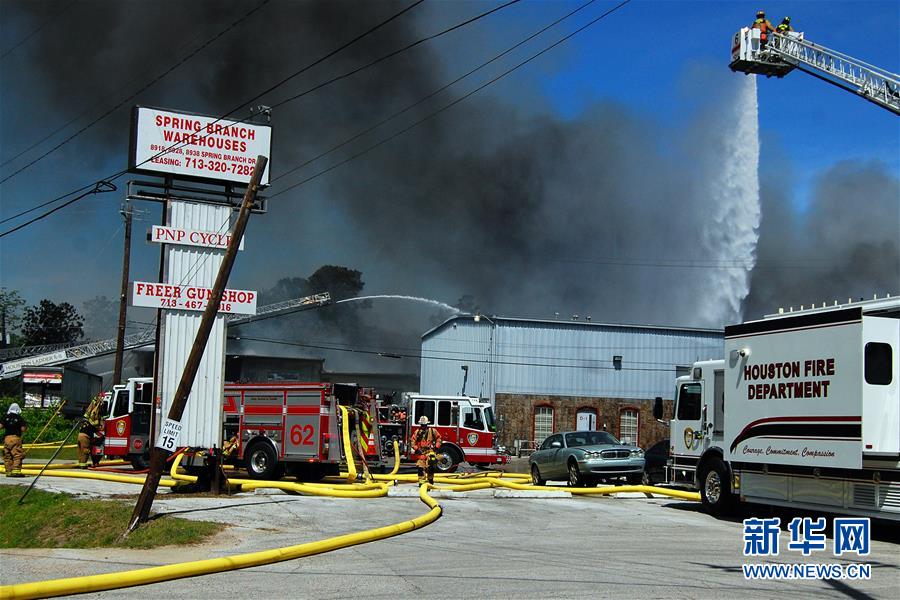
(39, 27)
(432, 94)
(393, 54)
(456, 360)
(133, 79)
(451, 104)
(271, 88)
(132, 96)
(100, 187)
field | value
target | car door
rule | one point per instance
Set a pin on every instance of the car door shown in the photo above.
(556, 466)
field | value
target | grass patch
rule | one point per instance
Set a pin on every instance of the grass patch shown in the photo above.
(48, 520)
(46, 453)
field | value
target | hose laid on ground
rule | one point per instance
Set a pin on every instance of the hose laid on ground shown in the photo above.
(123, 579)
(374, 490)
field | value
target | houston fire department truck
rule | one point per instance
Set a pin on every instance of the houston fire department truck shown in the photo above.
(804, 411)
(466, 426)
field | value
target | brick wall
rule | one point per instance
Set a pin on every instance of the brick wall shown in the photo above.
(517, 411)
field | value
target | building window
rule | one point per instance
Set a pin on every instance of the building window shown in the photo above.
(628, 426)
(543, 423)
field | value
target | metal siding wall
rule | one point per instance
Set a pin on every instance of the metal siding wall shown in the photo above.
(564, 359)
(202, 418)
(462, 342)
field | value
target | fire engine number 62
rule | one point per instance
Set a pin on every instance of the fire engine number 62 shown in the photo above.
(302, 435)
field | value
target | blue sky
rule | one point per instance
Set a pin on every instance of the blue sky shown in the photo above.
(653, 59)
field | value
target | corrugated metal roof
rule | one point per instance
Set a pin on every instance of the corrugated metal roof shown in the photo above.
(496, 319)
(527, 356)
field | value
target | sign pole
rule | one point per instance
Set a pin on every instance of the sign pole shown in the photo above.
(167, 441)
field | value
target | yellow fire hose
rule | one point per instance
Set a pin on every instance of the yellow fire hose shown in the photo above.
(376, 487)
(123, 579)
(375, 491)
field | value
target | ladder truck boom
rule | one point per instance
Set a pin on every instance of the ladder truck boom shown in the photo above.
(789, 51)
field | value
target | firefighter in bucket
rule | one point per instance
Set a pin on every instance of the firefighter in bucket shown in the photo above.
(425, 442)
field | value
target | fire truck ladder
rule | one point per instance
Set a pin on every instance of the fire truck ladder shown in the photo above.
(64, 354)
(876, 85)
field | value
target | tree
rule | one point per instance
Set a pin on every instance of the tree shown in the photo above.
(51, 323)
(11, 304)
(340, 282)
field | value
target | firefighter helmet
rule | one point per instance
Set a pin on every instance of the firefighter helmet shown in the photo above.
(423, 420)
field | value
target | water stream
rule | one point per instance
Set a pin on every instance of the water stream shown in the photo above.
(440, 305)
(734, 218)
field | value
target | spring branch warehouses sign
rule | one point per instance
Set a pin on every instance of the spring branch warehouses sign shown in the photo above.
(196, 146)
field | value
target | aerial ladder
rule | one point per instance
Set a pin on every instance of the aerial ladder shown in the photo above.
(785, 52)
(52, 355)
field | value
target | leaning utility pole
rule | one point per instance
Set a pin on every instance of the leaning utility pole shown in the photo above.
(123, 295)
(172, 424)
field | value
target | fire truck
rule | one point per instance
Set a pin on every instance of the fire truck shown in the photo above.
(295, 428)
(466, 426)
(804, 411)
(129, 410)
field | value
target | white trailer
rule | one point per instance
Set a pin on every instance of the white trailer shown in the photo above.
(804, 411)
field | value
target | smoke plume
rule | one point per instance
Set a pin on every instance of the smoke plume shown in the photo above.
(608, 213)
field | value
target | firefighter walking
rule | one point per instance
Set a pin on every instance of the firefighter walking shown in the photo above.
(91, 427)
(14, 427)
(425, 442)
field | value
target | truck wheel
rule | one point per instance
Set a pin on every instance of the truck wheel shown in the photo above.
(447, 460)
(575, 478)
(139, 462)
(536, 476)
(715, 490)
(261, 461)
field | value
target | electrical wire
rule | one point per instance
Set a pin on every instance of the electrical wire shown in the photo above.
(451, 104)
(144, 87)
(135, 94)
(238, 107)
(432, 94)
(39, 27)
(421, 356)
(393, 54)
(100, 187)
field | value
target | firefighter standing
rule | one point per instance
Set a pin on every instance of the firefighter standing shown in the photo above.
(14, 426)
(91, 427)
(764, 26)
(425, 442)
(784, 26)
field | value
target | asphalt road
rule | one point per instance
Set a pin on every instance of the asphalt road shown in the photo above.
(482, 547)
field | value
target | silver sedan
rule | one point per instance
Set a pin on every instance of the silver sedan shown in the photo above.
(585, 458)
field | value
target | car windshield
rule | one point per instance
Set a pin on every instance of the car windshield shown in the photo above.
(589, 438)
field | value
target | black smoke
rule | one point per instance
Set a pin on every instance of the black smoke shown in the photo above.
(527, 213)
(834, 249)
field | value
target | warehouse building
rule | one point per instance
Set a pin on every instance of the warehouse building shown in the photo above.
(545, 376)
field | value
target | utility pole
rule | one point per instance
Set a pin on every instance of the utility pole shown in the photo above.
(123, 295)
(158, 455)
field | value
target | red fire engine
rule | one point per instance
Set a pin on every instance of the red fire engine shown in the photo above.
(294, 428)
(466, 426)
(129, 410)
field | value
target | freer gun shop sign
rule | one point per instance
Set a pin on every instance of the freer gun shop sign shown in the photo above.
(196, 146)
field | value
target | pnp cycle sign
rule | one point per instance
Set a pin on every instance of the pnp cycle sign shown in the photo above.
(202, 147)
(191, 237)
